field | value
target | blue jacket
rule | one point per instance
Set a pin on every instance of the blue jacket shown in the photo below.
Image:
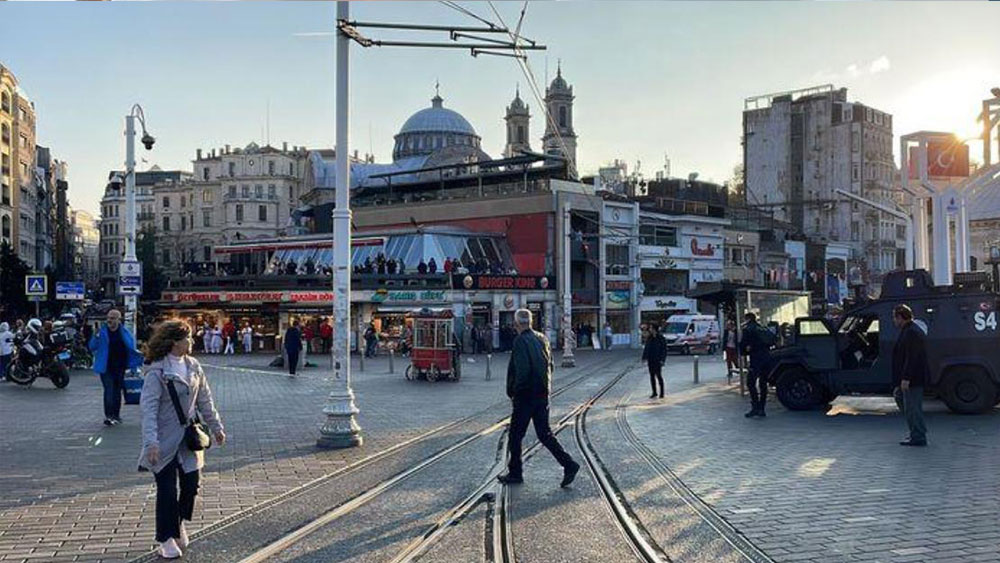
(100, 342)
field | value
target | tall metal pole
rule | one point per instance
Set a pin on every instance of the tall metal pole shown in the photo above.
(568, 360)
(130, 229)
(341, 430)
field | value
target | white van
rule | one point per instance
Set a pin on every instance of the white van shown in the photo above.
(686, 333)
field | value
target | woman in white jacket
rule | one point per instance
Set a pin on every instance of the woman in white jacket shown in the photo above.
(164, 450)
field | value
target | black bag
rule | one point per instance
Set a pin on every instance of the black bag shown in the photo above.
(196, 435)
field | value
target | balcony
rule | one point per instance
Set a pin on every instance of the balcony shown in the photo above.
(146, 216)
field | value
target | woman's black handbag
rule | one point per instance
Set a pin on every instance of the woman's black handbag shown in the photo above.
(196, 435)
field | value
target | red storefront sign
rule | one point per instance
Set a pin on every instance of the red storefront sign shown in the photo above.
(475, 281)
(614, 285)
(255, 297)
(698, 251)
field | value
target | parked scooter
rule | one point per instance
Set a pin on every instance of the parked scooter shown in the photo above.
(32, 359)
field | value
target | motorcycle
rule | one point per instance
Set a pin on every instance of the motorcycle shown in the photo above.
(33, 360)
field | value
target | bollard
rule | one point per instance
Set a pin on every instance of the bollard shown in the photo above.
(696, 369)
(392, 356)
(489, 360)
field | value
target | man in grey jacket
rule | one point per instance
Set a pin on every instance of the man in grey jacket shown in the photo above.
(529, 380)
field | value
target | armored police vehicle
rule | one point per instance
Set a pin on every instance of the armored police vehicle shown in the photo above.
(854, 356)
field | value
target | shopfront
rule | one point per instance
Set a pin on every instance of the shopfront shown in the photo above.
(618, 310)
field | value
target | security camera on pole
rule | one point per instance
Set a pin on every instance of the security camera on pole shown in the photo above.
(130, 270)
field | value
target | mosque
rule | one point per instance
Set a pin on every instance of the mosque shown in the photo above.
(438, 136)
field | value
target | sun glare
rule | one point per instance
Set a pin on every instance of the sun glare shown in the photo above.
(949, 101)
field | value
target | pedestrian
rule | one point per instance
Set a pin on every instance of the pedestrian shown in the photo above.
(216, 340)
(175, 388)
(529, 380)
(293, 347)
(229, 333)
(756, 343)
(910, 371)
(247, 334)
(326, 333)
(432, 266)
(654, 353)
(206, 337)
(114, 353)
(421, 267)
(731, 350)
(371, 341)
(608, 337)
(6, 349)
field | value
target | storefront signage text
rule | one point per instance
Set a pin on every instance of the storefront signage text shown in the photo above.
(257, 297)
(618, 284)
(419, 296)
(473, 281)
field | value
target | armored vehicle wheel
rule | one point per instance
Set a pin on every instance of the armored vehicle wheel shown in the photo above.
(968, 390)
(799, 391)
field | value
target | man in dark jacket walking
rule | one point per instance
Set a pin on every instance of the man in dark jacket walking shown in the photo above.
(529, 379)
(756, 343)
(293, 346)
(655, 354)
(909, 374)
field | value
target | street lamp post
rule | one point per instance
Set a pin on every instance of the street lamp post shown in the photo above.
(131, 300)
(341, 430)
(568, 360)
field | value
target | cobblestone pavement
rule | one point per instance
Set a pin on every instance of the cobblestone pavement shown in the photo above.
(69, 489)
(830, 487)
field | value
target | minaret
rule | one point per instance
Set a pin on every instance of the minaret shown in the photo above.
(517, 119)
(559, 104)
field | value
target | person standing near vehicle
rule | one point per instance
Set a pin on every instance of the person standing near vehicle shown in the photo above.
(114, 353)
(655, 355)
(756, 343)
(529, 379)
(6, 349)
(730, 349)
(910, 372)
(293, 347)
(175, 385)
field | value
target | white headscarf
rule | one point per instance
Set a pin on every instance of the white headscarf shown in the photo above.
(4, 327)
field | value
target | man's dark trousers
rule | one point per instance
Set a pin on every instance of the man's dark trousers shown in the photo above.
(911, 402)
(757, 384)
(527, 410)
(293, 360)
(656, 375)
(113, 381)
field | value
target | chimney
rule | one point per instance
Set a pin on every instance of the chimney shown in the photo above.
(284, 146)
(227, 149)
(355, 154)
(198, 152)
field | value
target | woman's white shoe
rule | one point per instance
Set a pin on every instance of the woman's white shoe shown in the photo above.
(170, 550)
(182, 539)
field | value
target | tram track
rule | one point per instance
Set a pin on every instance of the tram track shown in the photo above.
(382, 487)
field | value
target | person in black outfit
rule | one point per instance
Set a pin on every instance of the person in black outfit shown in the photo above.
(422, 267)
(655, 354)
(293, 345)
(910, 372)
(529, 379)
(432, 266)
(756, 343)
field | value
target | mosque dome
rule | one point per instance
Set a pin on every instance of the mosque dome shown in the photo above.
(432, 129)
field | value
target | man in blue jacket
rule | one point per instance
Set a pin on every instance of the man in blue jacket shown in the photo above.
(114, 353)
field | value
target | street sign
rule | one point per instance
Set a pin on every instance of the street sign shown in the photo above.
(36, 285)
(130, 278)
(70, 291)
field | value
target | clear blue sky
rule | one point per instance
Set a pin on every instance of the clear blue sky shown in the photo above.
(650, 77)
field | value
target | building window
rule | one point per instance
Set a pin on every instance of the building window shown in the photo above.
(262, 213)
(183, 201)
(184, 223)
(166, 257)
(520, 133)
(272, 191)
(166, 223)
(562, 116)
(657, 235)
(291, 169)
(616, 260)
(166, 202)
(246, 190)
(206, 218)
(6, 227)
(258, 191)
(206, 196)
(206, 253)
(855, 172)
(270, 168)
(5, 103)
(232, 191)
(204, 173)
(239, 212)
(232, 169)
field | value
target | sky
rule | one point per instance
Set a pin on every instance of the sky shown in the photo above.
(651, 79)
